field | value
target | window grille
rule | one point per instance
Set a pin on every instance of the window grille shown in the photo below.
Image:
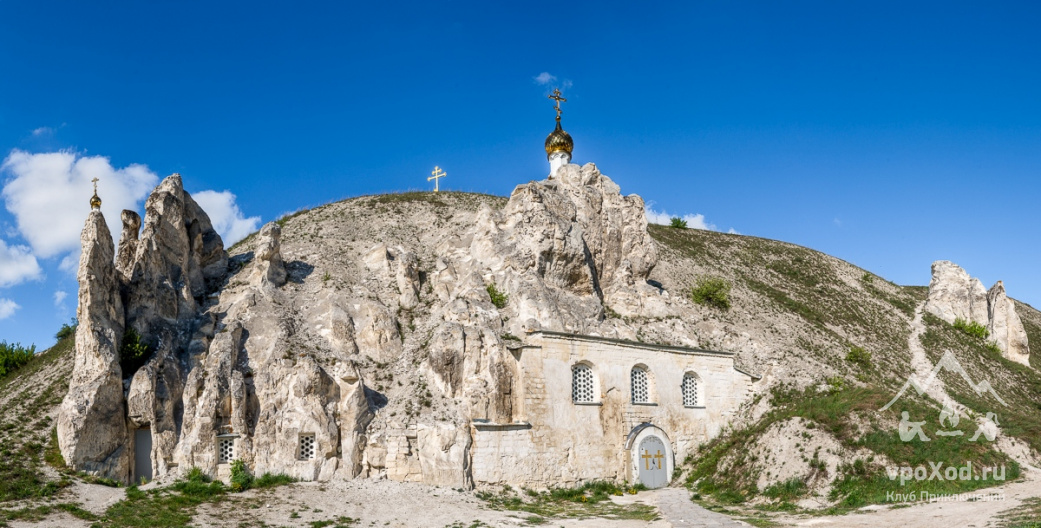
(690, 390)
(641, 394)
(582, 384)
(225, 450)
(307, 447)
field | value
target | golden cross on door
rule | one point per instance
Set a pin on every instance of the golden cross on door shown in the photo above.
(658, 458)
(556, 96)
(437, 175)
(646, 456)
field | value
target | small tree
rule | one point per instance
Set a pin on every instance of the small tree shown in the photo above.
(678, 223)
(67, 330)
(711, 291)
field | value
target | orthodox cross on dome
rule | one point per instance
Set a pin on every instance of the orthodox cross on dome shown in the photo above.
(437, 175)
(556, 96)
(95, 202)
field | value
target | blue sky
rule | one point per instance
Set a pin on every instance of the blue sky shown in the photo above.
(887, 134)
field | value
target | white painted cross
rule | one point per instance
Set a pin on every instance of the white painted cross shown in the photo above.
(437, 175)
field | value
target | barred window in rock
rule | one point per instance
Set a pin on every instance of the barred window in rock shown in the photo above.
(639, 385)
(225, 450)
(690, 390)
(307, 447)
(582, 384)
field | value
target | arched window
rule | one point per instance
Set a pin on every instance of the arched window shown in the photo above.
(691, 398)
(582, 390)
(641, 391)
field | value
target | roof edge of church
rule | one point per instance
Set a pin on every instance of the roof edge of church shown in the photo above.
(635, 344)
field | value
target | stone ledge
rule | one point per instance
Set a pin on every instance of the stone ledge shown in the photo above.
(484, 425)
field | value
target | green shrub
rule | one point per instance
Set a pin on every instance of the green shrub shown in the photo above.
(971, 328)
(13, 356)
(788, 490)
(678, 223)
(499, 299)
(133, 353)
(711, 291)
(241, 479)
(269, 480)
(859, 356)
(67, 330)
(836, 383)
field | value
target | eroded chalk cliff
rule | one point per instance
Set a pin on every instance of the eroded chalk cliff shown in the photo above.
(257, 349)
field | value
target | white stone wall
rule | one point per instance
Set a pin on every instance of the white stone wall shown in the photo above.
(568, 443)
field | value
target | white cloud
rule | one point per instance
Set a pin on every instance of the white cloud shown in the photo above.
(49, 196)
(59, 297)
(17, 264)
(545, 78)
(42, 131)
(694, 221)
(225, 215)
(7, 308)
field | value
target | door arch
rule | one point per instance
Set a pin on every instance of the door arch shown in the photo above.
(651, 456)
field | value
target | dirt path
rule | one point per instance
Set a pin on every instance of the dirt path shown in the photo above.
(920, 362)
(677, 509)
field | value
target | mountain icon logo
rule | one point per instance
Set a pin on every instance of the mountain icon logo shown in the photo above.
(950, 363)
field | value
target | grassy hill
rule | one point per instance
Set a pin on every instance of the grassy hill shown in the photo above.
(842, 353)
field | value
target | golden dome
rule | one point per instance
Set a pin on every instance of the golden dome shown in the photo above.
(95, 202)
(559, 141)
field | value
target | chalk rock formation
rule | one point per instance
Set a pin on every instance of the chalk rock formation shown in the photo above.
(564, 248)
(269, 270)
(1005, 327)
(953, 294)
(92, 429)
(128, 244)
(180, 259)
(269, 355)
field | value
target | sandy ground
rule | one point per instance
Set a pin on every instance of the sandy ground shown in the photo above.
(384, 503)
(377, 503)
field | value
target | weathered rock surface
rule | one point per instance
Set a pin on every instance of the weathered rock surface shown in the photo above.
(269, 270)
(269, 362)
(91, 426)
(1005, 327)
(953, 295)
(128, 244)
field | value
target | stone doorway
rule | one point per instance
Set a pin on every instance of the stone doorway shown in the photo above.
(142, 454)
(651, 455)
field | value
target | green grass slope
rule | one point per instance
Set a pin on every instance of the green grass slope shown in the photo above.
(840, 353)
(29, 401)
